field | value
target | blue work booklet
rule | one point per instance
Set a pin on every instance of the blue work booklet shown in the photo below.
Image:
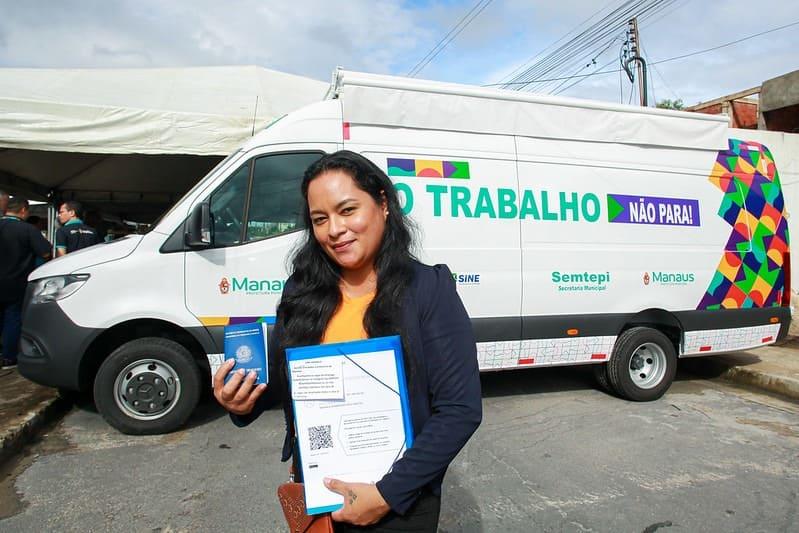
(246, 343)
(351, 412)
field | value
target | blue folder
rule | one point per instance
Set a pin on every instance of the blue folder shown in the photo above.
(350, 348)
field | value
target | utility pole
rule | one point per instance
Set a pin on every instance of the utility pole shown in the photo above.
(635, 46)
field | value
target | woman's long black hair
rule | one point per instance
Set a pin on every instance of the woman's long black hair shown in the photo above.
(314, 294)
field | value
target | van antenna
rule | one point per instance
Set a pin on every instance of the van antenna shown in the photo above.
(254, 114)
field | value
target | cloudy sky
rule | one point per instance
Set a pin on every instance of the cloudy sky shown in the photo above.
(311, 37)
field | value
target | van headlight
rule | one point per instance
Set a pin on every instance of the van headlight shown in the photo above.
(57, 287)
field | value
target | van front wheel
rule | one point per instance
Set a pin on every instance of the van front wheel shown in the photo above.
(147, 386)
(643, 364)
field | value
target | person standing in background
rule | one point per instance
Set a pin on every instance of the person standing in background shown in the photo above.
(3, 202)
(40, 224)
(73, 233)
(21, 244)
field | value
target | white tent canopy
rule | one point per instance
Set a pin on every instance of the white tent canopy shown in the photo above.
(198, 111)
(133, 139)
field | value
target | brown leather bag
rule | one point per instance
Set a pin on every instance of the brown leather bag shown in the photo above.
(292, 499)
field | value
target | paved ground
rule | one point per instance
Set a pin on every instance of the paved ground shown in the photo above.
(553, 454)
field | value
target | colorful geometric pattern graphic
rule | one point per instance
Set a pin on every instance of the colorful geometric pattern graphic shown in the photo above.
(750, 272)
(426, 168)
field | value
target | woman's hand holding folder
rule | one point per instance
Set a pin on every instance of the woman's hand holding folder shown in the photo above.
(363, 503)
(239, 394)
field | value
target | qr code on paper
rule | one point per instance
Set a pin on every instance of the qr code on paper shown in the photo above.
(320, 438)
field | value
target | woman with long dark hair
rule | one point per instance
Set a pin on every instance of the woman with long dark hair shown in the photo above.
(355, 277)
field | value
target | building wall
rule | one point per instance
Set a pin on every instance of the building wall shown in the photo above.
(742, 114)
(783, 119)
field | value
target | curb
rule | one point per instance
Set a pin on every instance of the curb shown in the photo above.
(13, 440)
(780, 385)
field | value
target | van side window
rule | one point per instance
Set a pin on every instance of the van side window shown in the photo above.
(227, 208)
(275, 205)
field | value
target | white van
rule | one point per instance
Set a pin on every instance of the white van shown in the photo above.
(578, 233)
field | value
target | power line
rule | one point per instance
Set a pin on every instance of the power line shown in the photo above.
(676, 7)
(523, 65)
(726, 44)
(460, 26)
(564, 51)
(581, 79)
(444, 38)
(657, 71)
(675, 58)
(591, 62)
(553, 62)
(575, 51)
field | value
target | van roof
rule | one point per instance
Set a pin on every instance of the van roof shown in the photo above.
(411, 103)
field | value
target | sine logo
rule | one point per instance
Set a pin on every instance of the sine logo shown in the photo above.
(470, 278)
(646, 278)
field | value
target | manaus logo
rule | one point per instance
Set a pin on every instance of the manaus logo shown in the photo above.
(249, 285)
(224, 286)
(669, 278)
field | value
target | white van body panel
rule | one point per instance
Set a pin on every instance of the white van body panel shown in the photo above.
(146, 284)
(78, 261)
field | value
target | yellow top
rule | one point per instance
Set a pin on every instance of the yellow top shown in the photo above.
(346, 324)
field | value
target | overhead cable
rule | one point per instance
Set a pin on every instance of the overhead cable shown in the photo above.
(449, 37)
(675, 58)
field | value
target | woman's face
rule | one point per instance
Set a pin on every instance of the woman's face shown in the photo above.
(346, 221)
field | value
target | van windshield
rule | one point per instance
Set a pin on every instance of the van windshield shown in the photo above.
(196, 186)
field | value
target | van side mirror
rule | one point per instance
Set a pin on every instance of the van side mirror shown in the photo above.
(198, 226)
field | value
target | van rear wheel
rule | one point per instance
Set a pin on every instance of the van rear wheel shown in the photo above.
(147, 386)
(643, 364)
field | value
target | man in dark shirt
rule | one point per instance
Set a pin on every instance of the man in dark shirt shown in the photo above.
(73, 233)
(21, 244)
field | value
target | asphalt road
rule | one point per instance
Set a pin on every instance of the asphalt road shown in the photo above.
(553, 454)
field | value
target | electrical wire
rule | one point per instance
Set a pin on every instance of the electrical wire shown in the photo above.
(620, 23)
(449, 37)
(537, 70)
(581, 79)
(726, 44)
(554, 64)
(590, 41)
(591, 62)
(530, 60)
(642, 11)
(675, 58)
(676, 7)
(657, 71)
(444, 38)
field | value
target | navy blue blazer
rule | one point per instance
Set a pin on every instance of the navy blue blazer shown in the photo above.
(443, 386)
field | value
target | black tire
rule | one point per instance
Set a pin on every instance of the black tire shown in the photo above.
(158, 375)
(650, 356)
(601, 377)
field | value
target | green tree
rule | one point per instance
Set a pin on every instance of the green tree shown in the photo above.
(670, 104)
